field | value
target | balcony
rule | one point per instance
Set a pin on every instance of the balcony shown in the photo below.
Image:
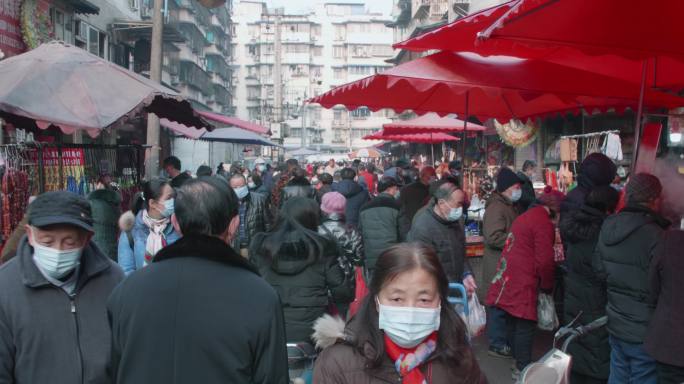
(195, 39)
(217, 65)
(222, 96)
(195, 77)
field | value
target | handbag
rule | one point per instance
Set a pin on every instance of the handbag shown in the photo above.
(547, 319)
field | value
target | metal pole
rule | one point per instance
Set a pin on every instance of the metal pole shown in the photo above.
(465, 129)
(640, 111)
(303, 138)
(152, 153)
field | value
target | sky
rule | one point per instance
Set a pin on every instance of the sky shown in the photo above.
(297, 6)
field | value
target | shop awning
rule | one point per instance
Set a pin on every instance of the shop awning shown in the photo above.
(84, 7)
(428, 123)
(237, 136)
(497, 87)
(604, 37)
(422, 138)
(180, 129)
(224, 120)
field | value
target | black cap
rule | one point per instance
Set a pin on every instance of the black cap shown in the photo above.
(60, 207)
(506, 179)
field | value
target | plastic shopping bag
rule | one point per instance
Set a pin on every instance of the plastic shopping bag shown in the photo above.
(477, 316)
(547, 319)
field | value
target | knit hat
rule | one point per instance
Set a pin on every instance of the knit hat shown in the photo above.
(642, 188)
(552, 199)
(597, 169)
(333, 202)
(506, 179)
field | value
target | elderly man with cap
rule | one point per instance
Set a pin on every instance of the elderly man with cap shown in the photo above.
(499, 215)
(627, 243)
(53, 318)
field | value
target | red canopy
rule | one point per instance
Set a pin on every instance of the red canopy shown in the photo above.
(494, 87)
(428, 123)
(231, 121)
(423, 138)
(462, 36)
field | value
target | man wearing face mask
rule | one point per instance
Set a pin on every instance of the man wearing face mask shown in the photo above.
(53, 327)
(439, 226)
(254, 217)
(500, 213)
(200, 313)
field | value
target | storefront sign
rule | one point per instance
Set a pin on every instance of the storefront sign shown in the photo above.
(11, 42)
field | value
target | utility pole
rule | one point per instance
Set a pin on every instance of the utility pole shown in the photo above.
(153, 148)
(277, 69)
(303, 117)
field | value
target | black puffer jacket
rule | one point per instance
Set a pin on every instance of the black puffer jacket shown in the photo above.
(447, 238)
(379, 224)
(257, 217)
(348, 240)
(585, 293)
(625, 249)
(356, 197)
(302, 285)
(296, 188)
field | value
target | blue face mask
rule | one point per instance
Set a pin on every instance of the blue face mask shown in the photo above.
(169, 206)
(241, 192)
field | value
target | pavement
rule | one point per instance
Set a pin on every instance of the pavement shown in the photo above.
(498, 370)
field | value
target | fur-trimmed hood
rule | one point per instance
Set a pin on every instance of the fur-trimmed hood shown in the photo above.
(328, 330)
(127, 221)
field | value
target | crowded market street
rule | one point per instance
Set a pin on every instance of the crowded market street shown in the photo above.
(321, 192)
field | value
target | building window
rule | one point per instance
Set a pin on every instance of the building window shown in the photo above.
(318, 51)
(360, 50)
(337, 115)
(90, 39)
(361, 113)
(382, 51)
(339, 51)
(338, 73)
(360, 70)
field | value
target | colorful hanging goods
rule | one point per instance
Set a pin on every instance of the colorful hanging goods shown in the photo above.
(568, 149)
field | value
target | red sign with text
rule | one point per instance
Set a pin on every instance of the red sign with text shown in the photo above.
(11, 42)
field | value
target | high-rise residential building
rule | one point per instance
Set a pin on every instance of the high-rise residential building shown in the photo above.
(282, 60)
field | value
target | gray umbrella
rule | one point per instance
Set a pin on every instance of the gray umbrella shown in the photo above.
(62, 85)
(236, 135)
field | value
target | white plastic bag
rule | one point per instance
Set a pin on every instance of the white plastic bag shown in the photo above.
(547, 319)
(477, 316)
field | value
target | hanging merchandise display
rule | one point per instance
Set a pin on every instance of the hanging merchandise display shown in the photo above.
(568, 149)
(612, 147)
(515, 133)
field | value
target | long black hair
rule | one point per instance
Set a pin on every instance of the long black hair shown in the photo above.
(149, 190)
(452, 345)
(295, 235)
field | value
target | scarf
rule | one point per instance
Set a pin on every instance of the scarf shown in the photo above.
(407, 361)
(156, 240)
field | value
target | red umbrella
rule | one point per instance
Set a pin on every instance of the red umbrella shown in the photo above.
(421, 138)
(462, 36)
(494, 87)
(430, 123)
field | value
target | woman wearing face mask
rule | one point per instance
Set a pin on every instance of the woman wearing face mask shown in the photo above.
(147, 227)
(405, 332)
(526, 268)
(500, 212)
(301, 265)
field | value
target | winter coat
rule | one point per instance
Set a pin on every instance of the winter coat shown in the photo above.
(199, 313)
(665, 335)
(348, 241)
(526, 265)
(296, 188)
(379, 225)
(257, 218)
(528, 196)
(498, 219)
(47, 336)
(343, 362)
(368, 180)
(179, 180)
(302, 285)
(356, 197)
(106, 207)
(585, 293)
(132, 257)
(447, 239)
(325, 188)
(411, 198)
(626, 246)
(9, 249)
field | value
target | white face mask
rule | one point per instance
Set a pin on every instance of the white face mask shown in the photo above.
(54, 262)
(408, 326)
(516, 195)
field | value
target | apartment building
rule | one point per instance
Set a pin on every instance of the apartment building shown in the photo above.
(281, 60)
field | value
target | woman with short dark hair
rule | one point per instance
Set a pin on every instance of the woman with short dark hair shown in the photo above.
(406, 331)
